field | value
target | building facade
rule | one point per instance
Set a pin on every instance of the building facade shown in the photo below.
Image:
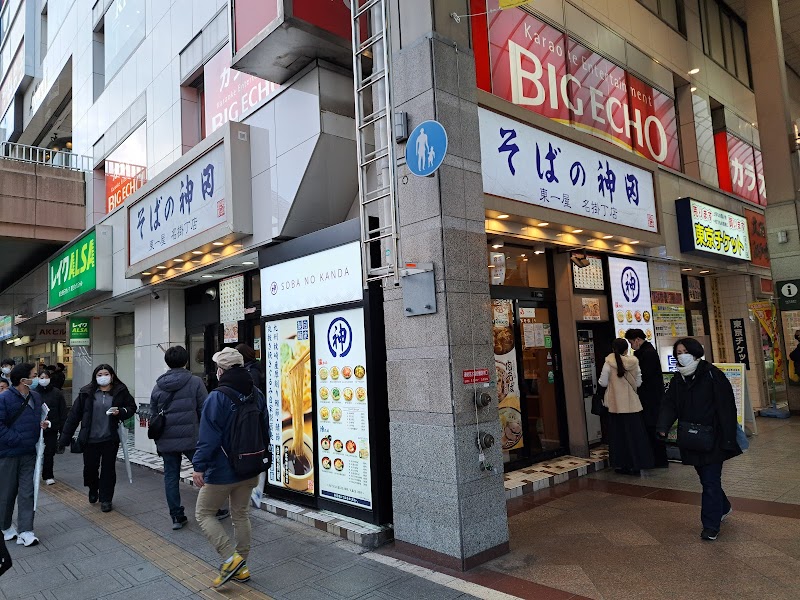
(607, 168)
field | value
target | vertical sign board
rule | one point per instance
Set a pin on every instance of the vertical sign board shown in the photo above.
(80, 332)
(740, 342)
(630, 296)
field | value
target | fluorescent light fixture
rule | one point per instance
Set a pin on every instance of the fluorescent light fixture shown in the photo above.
(544, 224)
(146, 273)
(704, 272)
(634, 242)
(686, 269)
(503, 216)
(497, 243)
(206, 276)
(178, 260)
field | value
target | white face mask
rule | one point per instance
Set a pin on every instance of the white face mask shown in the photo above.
(103, 380)
(6, 370)
(44, 381)
(686, 359)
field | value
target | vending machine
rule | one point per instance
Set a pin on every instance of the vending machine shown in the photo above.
(586, 356)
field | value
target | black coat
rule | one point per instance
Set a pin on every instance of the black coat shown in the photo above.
(57, 379)
(794, 356)
(183, 413)
(651, 392)
(256, 370)
(83, 407)
(57, 405)
(707, 399)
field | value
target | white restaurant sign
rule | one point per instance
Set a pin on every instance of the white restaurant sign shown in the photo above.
(188, 204)
(535, 167)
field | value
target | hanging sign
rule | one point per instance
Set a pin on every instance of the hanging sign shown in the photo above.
(740, 342)
(789, 294)
(82, 268)
(80, 332)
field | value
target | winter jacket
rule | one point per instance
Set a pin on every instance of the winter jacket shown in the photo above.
(794, 356)
(19, 439)
(621, 396)
(57, 405)
(651, 392)
(255, 369)
(215, 426)
(188, 393)
(83, 407)
(57, 379)
(705, 398)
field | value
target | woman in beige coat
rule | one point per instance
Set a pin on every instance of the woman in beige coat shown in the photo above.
(628, 446)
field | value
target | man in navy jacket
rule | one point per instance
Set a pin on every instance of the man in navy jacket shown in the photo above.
(20, 425)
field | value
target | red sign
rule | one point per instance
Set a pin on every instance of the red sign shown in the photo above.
(119, 187)
(527, 62)
(476, 376)
(757, 230)
(738, 169)
(230, 94)
(767, 286)
(762, 187)
(330, 15)
(251, 17)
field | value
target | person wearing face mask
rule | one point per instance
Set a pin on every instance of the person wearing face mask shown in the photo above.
(54, 399)
(628, 447)
(701, 398)
(5, 370)
(99, 408)
(20, 425)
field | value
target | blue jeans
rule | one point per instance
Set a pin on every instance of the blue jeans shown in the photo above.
(172, 475)
(715, 502)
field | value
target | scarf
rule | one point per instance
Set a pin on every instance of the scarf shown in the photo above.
(689, 371)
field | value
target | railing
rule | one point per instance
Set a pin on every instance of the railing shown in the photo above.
(61, 159)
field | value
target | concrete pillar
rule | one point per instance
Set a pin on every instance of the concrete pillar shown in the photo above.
(101, 350)
(444, 503)
(777, 144)
(158, 324)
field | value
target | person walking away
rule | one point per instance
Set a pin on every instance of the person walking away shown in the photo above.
(20, 425)
(234, 425)
(628, 446)
(651, 392)
(181, 396)
(5, 370)
(58, 376)
(701, 398)
(57, 416)
(99, 408)
(253, 365)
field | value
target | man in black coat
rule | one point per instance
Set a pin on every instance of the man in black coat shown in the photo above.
(651, 392)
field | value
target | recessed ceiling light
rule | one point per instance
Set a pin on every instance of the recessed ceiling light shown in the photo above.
(544, 224)
(248, 262)
(146, 273)
(607, 237)
(686, 269)
(634, 242)
(704, 272)
(161, 267)
(217, 244)
(577, 231)
(693, 89)
(522, 255)
(502, 216)
(694, 71)
(206, 276)
(178, 259)
(197, 251)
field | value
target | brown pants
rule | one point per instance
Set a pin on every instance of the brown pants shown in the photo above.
(209, 500)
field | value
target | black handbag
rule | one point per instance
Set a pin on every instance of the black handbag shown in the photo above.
(695, 437)
(159, 422)
(598, 408)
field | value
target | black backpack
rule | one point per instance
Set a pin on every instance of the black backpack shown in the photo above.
(249, 447)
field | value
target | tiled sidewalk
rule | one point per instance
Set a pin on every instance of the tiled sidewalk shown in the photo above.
(548, 474)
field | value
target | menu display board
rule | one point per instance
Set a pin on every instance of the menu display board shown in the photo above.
(669, 313)
(288, 362)
(630, 296)
(231, 306)
(735, 372)
(340, 361)
(505, 362)
(589, 277)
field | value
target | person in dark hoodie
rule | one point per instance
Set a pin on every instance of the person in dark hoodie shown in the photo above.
(99, 408)
(253, 365)
(214, 473)
(20, 425)
(58, 376)
(651, 392)
(181, 395)
(55, 402)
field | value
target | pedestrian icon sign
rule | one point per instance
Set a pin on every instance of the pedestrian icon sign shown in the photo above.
(426, 148)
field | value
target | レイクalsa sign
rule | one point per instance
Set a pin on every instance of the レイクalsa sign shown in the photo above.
(74, 272)
(80, 332)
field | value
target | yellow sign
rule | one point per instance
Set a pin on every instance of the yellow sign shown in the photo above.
(504, 4)
(765, 312)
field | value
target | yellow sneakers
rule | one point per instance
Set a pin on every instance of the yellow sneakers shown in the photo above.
(243, 576)
(229, 569)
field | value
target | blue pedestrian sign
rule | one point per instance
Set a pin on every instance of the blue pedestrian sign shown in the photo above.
(426, 148)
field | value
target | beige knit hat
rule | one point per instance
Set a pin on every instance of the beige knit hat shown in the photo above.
(227, 358)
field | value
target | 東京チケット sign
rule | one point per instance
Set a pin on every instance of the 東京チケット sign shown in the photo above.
(704, 228)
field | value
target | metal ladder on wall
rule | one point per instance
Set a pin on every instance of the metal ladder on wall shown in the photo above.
(375, 148)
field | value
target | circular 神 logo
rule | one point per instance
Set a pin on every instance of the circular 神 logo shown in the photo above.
(340, 337)
(630, 284)
(273, 288)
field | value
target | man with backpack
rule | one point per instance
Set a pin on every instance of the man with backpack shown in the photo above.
(232, 451)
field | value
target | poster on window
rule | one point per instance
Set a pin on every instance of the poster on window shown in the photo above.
(505, 362)
(340, 361)
(630, 296)
(288, 364)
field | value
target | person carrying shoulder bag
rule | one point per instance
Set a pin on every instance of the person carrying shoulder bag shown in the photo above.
(701, 398)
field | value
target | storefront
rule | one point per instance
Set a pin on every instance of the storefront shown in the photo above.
(324, 352)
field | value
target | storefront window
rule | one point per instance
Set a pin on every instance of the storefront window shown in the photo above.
(124, 31)
(518, 267)
(670, 11)
(724, 39)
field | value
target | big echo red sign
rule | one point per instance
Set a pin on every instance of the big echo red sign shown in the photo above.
(526, 61)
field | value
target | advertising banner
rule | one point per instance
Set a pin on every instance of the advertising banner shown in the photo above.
(73, 272)
(740, 168)
(630, 296)
(704, 228)
(119, 187)
(766, 314)
(80, 332)
(6, 327)
(342, 410)
(757, 230)
(505, 362)
(736, 375)
(669, 314)
(289, 400)
(762, 186)
(538, 67)
(532, 166)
